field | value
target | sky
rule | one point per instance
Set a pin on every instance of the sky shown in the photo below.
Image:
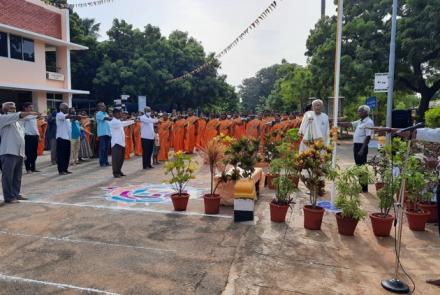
(216, 23)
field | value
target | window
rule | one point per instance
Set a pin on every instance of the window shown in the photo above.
(3, 44)
(28, 50)
(16, 47)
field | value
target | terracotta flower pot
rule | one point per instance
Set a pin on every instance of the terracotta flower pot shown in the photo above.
(180, 202)
(381, 225)
(212, 203)
(346, 225)
(430, 207)
(313, 217)
(417, 220)
(278, 212)
(379, 185)
(270, 180)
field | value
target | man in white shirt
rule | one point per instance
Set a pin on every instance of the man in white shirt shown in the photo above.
(64, 134)
(147, 137)
(31, 138)
(12, 151)
(118, 141)
(314, 126)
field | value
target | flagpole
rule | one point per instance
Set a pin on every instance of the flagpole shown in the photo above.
(336, 87)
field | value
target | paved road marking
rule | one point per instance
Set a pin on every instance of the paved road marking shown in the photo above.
(57, 285)
(82, 205)
(85, 242)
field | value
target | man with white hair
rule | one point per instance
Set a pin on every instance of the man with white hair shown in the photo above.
(12, 151)
(314, 125)
(362, 136)
(147, 137)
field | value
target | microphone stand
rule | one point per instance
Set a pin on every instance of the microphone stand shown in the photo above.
(394, 284)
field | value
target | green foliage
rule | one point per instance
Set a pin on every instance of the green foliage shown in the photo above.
(432, 118)
(417, 181)
(242, 154)
(182, 168)
(386, 194)
(348, 185)
(284, 189)
(285, 162)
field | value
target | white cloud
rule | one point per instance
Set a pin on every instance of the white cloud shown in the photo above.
(216, 23)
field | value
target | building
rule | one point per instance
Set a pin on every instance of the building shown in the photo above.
(35, 54)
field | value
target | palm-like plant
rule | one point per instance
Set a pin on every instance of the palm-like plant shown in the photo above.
(214, 153)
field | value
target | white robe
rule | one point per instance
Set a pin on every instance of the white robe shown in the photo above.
(314, 127)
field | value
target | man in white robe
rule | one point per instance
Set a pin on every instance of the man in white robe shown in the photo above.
(314, 126)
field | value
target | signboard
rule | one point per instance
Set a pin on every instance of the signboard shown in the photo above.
(371, 102)
(381, 82)
(142, 103)
(54, 76)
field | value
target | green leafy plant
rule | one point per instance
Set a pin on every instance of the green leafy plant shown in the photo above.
(269, 149)
(316, 162)
(242, 154)
(418, 182)
(432, 118)
(348, 185)
(284, 189)
(181, 167)
(381, 164)
(386, 194)
(214, 153)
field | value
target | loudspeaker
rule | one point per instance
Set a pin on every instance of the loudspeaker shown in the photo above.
(401, 119)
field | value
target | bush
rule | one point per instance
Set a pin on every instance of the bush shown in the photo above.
(432, 118)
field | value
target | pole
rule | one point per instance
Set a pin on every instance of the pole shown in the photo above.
(322, 8)
(391, 68)
(336, 86)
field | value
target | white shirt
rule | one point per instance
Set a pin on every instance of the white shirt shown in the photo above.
(117, 131)
(313, 127)
(147, 126)
(362, 129)
(428, 134)
(64, 127)
(30, 125)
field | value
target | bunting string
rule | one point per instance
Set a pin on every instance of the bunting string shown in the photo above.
(80, 5)
(233, 44)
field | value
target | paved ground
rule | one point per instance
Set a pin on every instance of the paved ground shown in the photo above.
(70, 239)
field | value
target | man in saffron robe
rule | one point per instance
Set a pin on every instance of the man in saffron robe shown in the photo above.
(253, 127)
(191, 132)
(225, 125)
(137, 138)
(239, 127)
(211, 129)
(201, 133)
(165, 130)
(128, 130)
(179, 134)
(42, 127)
(276, 130)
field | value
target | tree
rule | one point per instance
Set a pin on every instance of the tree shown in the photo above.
(366, 35)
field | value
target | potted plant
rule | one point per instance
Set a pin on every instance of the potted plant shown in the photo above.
(349, 187)
(214, 153)
(283, 199)
(383, 221)
(316, 164)
(417, 182)
(380, 164)
(181, 167)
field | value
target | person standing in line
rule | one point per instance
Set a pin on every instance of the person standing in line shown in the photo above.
(64, 135)
(31, 138)
(75, 139)
(147, 137)
(52, 135)
(156, 148)
(362, 136)
(104, 134)
(12, 151)
(118, 142)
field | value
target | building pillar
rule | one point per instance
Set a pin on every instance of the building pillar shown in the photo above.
(67, 98)
(39, 101)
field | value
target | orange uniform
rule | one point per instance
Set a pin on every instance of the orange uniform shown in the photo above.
(42, 127)
(211, 131)
(225, 127)
(277, 132)
(137, 138)
(253, 128)
(128, 141)
(179, 135)
(191, 133)
(239, 129)
(201, 133)
(165, 131)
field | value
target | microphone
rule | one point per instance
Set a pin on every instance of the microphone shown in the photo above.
(412, 128)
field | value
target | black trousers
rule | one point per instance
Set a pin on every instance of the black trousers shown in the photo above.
(360, 159)
(438, 206)
(30, 150)
(63, 154)
(147, 152)
(118, 156)
(11, 178)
